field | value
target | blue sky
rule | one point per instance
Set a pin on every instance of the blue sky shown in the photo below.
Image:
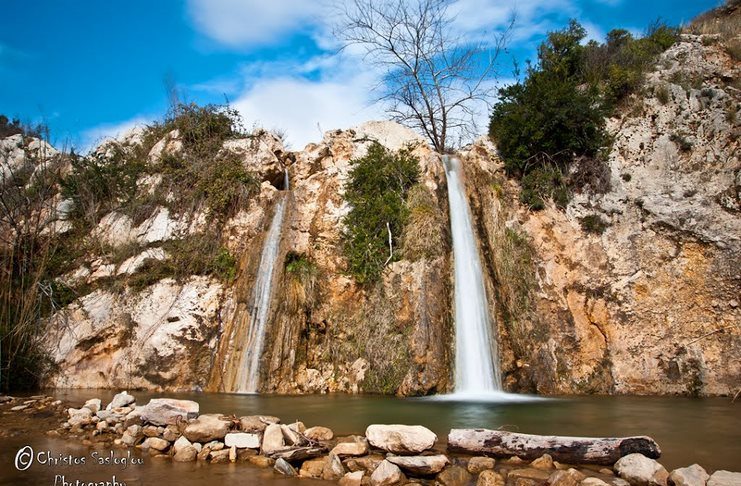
(92, 69)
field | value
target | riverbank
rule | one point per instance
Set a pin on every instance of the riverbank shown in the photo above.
(175, 430)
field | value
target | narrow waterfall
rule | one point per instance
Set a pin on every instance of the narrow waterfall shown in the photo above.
(249, 370)
(476, 360)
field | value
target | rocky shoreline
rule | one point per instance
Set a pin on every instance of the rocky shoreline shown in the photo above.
(385, 455)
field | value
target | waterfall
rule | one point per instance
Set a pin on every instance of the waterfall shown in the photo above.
(249, 370)
(476, 360)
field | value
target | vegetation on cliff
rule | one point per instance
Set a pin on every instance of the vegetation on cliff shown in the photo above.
(549, 128)
(377, 191)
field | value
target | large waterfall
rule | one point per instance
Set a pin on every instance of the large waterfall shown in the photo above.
(249, 370)
(476, 360)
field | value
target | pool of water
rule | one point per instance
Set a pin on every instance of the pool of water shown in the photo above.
(704, 431)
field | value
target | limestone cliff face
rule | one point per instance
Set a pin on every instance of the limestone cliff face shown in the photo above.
(650, 305)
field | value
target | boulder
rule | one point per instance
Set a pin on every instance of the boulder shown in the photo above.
(367, 464)
(593, 482)
(78, 416)
(333, 468)
(261, 461)
(353, 446)
(528, 475)
(544, 462)
(168, 411)
(282, 466)
(313, 468)
(181, 443)
(220, 457)
(319, 433)
(272, 439)
(155, 443)
(121, 400)
(724, 478)
(386, 474)
(256, 423)
(401, 439)
(454, 476)
(292, 436)
(94, 405)
(490, 478)
(693, 475)
(206, 428)
(639, 470)
(293, 454)
(242, 440)
(569, 477)
(480, 463)
(420, 465)
(352, 479)
(185, 454)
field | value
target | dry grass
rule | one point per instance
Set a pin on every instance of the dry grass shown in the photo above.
(424, 234)
(723, 25)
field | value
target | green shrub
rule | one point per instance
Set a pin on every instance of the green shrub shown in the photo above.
(377, 191)
(662, 93)
(593, 224)
(544, 183)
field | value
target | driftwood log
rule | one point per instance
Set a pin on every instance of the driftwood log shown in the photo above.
(570, 450)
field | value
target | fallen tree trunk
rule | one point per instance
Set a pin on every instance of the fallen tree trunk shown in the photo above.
(570, 450)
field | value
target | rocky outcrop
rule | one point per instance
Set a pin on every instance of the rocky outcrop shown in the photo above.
(650, 305)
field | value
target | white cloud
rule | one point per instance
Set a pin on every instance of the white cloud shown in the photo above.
(239, 23)
(92, 137)
(304, 108)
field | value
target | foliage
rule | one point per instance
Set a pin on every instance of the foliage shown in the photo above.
(424, 233)
(301, 280)
(14, 127)
(556, 115)
(377, 191)
(592, 223)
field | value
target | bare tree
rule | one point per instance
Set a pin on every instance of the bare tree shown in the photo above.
(434, 78)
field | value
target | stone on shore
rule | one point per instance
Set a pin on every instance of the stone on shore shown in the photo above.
(528, 475)
(261, 461)
(206, 428)
(185, 454)
(155, 443)
(242, 440)
(292, 436)
(386, 474)
(79, 416)
(454, 476)
(593, 482)
(569, 477)
(93, 405)
(352, 479)
(333, 468)
(256, 423)
(401, 439)
(639, 470)
(283, 467)
(121, 400)
(420, 465)
(293, 454)
(181, 443)
(272, 439)
(544, 462)
(367, 464)
(725, 478)
(490, 478)
(168, 411)
(319, 433)
(693, 475)
(353, 446)
(313, 468)
(480, 463)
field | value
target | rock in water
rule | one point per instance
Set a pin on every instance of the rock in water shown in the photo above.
(570, 477)
(319, 433)
(333, 468)
(256, 423)
(401, 439)
(725, 478)
(355, 446)
(421, 465)
(479, 464)
(242, 440)
(282, 466)
(185, 454)
(352, 479)
(121, 400)
(313, 468)
(490, 478)
(167, 411)
(93, 405)
(272, 440)
(639, 470)
(206, 428)
(386, 474)
(454, 476)
(693, 475)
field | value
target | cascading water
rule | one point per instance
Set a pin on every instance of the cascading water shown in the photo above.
(249, 370)
(476, 361)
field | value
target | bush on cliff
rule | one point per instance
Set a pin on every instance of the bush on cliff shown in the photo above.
(377, 191)
(556, 115)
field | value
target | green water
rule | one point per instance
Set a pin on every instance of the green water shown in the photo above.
(703, 431)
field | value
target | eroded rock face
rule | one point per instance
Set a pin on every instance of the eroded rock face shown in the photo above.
(648, 305)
